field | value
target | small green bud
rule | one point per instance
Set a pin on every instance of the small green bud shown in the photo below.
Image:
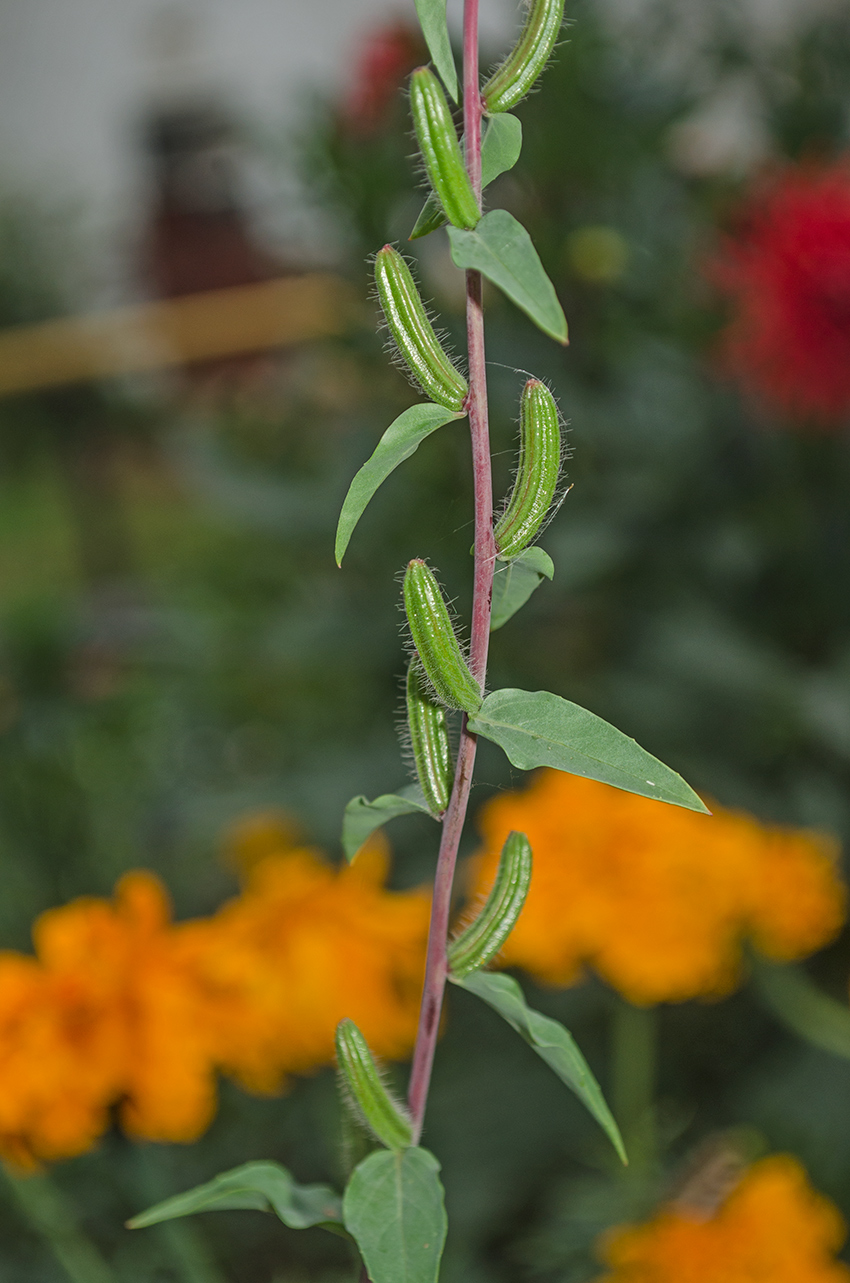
(537, 472)
(437, 138)
(483, 939)
(512, 81)
(435, 641)
(414, 335)
(373, 1103)
(429, 740)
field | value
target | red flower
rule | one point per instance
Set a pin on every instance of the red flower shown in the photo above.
(386, 58)
(786, 272)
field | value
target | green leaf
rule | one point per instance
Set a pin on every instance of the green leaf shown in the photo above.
(515, 581)
(265, 1187)
(500, 146)
(536, 728)
(803, 1007)
(550, 1040)
(501, 248)
(362, 817)
(393, 1207)
(500, 149)
(401, 439)
(432, 19)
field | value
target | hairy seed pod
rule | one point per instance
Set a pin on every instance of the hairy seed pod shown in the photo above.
(435, 641)
(512, 81)
(429, 739)
(537, 472)
(377, 1109)
(483, 939)
(414, 334)
(437, 138)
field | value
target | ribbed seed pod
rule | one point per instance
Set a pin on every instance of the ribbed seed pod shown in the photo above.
(537, 473)
(437, 138)
(429, 739)
(377, 1109)
(512, 81)
(483, 939)
(435, 641)
(414, 335)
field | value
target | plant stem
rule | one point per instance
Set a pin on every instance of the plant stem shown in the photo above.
(50, 1215)
(633, 1057)
(436, 966)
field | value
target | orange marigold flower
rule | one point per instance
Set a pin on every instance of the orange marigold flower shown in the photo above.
(773, 1226)
(657, 899)
(303, 946)
(121, 1006)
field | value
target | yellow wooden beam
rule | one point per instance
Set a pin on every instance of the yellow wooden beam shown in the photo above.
(153, 336)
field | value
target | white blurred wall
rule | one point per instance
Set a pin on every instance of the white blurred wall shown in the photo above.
(76, 75)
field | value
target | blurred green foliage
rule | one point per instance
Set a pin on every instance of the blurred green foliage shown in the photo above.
(177, 646)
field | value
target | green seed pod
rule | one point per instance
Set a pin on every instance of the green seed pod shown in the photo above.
(483, 939)
(429, 739)
(373, 1103)
(414, 334)
(437, 138)
(435, 641)
(537, 473)
(512, 81)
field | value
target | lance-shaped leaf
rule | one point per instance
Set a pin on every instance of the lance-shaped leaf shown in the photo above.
(536, 728)
(803, 1007)
(362, 817)
(401, 439)
(501, 248)
(432, 20)
(550, 1040)
(264, 1187)
(515, 581)
(393, 1206)
(500, 149)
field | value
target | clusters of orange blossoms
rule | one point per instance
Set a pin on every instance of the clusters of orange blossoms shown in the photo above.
(655, 898)
(122, 1006)
(773, 1226)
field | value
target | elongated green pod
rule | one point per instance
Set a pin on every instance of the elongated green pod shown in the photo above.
(429, 740)
(407, 321)
(537, 472)
(483, 939)
(437, 138)
(512, 81)
(377, 1110)
(435, 640)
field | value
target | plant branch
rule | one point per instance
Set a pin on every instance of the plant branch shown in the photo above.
(436, 966)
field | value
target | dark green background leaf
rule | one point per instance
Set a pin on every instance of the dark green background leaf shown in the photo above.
(515, 581)
(501, 248)
(264, 1187)
(500, 149)
(362, 817)
(401, 439)
(536, 728)
(393, 1206)
(550, 1040)
(432, 19)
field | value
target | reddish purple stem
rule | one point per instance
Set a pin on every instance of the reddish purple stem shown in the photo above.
(436, 966)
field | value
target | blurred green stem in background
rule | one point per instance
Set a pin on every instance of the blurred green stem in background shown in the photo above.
(48, 1213)
(183, 1241)
(633, 1063)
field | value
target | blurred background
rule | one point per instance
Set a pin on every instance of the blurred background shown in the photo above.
(190, 374)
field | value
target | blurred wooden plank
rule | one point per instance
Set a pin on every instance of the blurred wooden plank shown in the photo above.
(153, 336)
